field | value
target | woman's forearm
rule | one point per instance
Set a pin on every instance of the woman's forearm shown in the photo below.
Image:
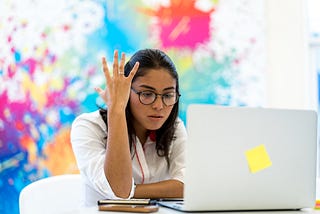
(162, 189)
(118, 166)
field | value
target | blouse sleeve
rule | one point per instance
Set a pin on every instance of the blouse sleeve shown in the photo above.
(177, 152)
(88, 143)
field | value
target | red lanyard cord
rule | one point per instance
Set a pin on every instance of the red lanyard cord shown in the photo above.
(141, 169)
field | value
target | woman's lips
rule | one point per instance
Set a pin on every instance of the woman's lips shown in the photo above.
(155, 116)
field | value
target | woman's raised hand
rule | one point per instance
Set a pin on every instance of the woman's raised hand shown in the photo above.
(118, 86)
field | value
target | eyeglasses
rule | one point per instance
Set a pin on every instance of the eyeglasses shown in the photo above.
(149, 97)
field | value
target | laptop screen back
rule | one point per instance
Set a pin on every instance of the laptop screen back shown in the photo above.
(241, 158)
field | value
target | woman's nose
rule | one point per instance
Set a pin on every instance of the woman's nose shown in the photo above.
(158, 103)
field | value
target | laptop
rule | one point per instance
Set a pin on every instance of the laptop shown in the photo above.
(244, 158)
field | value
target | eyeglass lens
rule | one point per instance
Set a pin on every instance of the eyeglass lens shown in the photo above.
(149, 97)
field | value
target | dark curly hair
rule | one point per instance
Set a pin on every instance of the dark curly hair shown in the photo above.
(152, 59)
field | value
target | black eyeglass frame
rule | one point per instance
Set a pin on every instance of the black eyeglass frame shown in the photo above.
(156, 97)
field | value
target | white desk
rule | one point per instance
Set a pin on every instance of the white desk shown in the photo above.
(163, 210)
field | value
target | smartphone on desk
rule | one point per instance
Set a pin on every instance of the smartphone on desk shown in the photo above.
(169, 199)
(129, 208)
(133, 201)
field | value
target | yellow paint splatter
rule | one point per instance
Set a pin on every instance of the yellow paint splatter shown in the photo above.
(37, 92)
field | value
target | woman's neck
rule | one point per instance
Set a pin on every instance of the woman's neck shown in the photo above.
(141, 133)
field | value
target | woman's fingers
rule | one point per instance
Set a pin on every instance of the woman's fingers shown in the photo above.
(99, 91)
(102, 94)
(122, 62)
(115, 63)
(106, 70)
(117, 85)
(134, 70)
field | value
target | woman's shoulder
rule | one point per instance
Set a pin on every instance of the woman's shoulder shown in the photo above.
(180, 123)
(90, 117)
(180, 138)
(180, 131)
(94, 115)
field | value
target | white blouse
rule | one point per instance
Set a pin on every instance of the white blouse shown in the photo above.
(88, 134)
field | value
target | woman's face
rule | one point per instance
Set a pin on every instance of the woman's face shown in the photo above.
(153, 116)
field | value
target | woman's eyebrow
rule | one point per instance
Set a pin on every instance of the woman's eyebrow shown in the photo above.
(152, 88)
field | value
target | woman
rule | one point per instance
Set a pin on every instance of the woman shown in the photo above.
(135, 148)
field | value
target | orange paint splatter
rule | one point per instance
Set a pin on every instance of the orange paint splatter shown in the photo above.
(28, 144)
(60, 159)
(25, 142)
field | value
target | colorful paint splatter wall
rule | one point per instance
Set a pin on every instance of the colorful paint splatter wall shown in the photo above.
(50, 55)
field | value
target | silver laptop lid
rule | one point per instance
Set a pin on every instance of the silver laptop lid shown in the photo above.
(241, 158)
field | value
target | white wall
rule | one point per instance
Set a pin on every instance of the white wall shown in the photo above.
(290, 81)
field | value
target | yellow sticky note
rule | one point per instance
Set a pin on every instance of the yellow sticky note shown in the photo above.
(258, 158)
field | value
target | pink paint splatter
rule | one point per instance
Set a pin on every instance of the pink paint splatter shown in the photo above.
(181, 24)
(31, 65)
